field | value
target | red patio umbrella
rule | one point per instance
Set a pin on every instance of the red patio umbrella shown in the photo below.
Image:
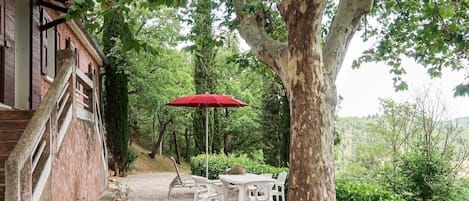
(206, 101)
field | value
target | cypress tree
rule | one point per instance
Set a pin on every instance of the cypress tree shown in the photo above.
(116, 97)
(204, 69)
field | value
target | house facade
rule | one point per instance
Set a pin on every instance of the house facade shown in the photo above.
(52, 144)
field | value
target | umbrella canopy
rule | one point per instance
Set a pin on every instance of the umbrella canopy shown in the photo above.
(206, 101)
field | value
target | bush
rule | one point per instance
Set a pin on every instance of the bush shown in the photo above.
(355, 191)
(217, 164)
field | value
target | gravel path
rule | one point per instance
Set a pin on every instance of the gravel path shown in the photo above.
(148, 187)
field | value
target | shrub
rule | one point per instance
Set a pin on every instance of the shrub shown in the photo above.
(217, 164)
(347, 190)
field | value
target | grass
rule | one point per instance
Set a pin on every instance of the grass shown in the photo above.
(158, 164)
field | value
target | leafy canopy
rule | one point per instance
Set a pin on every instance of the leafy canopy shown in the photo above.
(433, 33)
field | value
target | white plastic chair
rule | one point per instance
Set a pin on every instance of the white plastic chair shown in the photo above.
(259, 191)
(206, 190)
(180, 181)
(279, 187)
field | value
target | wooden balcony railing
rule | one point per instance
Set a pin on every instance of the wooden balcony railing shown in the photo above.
(71, 95)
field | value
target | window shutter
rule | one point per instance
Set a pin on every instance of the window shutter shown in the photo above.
(57, 47)
(43, 43)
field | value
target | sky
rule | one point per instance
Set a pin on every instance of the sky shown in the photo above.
(362, 88)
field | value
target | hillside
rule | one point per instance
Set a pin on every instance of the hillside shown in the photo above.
(463, 121)
(158, 164)
(357, 140)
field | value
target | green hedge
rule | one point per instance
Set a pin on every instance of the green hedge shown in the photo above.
(217, 164)
(355, 191)
(346, 190)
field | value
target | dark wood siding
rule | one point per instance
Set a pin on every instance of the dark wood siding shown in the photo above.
(2, 55)
(36, 59)
(7, 51)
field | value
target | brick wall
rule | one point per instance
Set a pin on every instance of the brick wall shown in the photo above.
(85, 57)
(78, 170)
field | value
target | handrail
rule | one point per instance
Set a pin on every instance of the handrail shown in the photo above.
(100, 129)
(31, 136)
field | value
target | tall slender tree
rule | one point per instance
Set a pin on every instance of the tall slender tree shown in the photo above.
(116, 98)
(276, 122)
(204, 66)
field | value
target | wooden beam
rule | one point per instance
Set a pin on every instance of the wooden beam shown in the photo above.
(52, 24)
(53, 6)
(61, 1)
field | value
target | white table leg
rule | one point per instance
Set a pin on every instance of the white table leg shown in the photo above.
(241, 192)
(225, 190)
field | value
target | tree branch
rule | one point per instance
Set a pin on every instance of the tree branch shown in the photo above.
(341, 31)
(270, 51)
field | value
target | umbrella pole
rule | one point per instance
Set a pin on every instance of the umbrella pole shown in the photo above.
(206, 142)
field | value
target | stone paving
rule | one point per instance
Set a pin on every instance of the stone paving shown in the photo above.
(147, 187)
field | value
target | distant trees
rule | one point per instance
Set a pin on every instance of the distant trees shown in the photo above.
(410, 149)
(276, 122)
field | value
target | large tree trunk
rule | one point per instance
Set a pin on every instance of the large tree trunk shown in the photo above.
(308, 72)
(311, 149)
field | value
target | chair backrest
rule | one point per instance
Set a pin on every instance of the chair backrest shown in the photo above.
(282, 177)
(202, 182)
(259, 190)
(177, 169)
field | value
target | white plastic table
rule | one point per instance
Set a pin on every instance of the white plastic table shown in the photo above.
(240, 181)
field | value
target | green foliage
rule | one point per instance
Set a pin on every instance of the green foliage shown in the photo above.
(136, 15)
(275, 122)
(357, 191)
(422, 177)
(218, 164)
(407, 150)
(205, 76)
(433, 33)
(132, 156)
(116, 97)
(461, 191)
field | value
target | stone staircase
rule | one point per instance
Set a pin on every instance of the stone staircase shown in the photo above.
(12, 125)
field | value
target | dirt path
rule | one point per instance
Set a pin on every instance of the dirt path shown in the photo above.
(148, 187)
